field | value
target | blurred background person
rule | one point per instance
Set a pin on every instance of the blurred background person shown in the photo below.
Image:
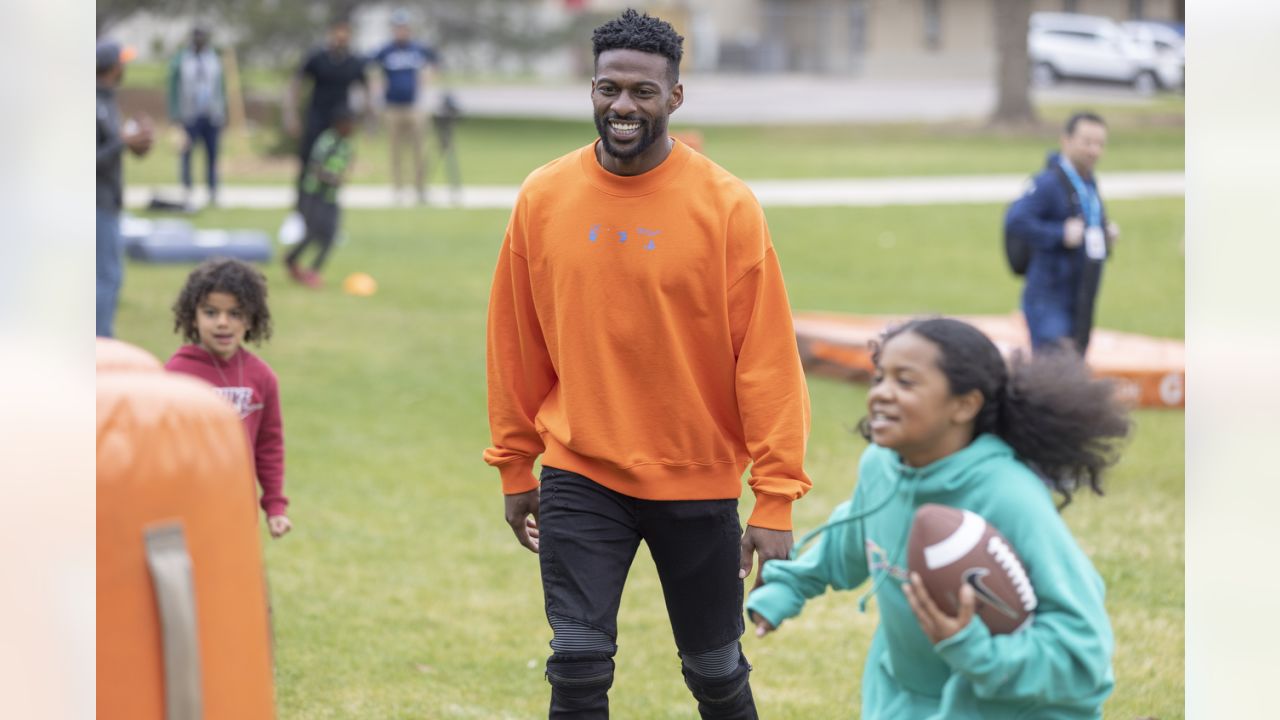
(1062, 220)
(113, 138)
(331, 158)
(198, 102)
(407, 67)
(333, 70)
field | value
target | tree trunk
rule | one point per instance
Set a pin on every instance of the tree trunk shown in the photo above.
(1013, 103)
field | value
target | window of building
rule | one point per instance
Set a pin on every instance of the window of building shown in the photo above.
(1070, 6)
(1136, 9)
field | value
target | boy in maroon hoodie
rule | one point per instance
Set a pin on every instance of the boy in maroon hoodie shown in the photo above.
(224, 304)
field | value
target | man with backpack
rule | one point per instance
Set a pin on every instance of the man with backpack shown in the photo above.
(1058, 235)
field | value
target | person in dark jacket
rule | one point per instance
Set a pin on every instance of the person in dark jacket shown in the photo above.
(333, 70)
(112, 140)
(1062, 219)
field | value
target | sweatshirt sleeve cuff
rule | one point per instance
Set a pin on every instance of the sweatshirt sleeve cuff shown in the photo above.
(517, 476)
(772, 512)
(275, 507)
(775, 602)
(963, 649)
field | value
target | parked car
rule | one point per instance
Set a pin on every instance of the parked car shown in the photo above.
(1088, 47)
(1170, 49)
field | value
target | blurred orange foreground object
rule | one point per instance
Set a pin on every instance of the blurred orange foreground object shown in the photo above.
(1149, 372)
(113, 355)
(170, 452)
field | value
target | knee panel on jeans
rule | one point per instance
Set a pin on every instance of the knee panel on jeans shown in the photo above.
(574, 637)
(717, 677)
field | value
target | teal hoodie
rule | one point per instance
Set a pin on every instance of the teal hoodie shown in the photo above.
(1057, 667)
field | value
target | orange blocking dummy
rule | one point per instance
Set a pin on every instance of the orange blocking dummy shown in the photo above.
(182, 628)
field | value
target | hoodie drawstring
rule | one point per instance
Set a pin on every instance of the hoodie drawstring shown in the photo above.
(795, 549)
(892, 558)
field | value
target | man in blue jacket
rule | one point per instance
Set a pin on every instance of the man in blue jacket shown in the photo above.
(407, 65)
(1062, 219)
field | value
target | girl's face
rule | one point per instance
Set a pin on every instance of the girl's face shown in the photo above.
(221, 324)
(910, 406)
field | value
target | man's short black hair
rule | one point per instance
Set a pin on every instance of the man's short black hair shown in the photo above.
(638, 31)
(1086, 116)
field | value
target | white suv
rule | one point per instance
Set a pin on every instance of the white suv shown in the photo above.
(1067, 45)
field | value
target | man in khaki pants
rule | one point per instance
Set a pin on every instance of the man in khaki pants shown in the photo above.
(407, 66)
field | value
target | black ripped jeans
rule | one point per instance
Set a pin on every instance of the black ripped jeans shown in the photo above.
(589, 537)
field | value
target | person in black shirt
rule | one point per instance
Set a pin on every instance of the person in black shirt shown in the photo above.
(332, 69)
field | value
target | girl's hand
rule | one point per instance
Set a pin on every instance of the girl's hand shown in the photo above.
(278, 525)
(763, 627)
(938, 625)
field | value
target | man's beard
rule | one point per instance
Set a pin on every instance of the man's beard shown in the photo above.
(648, 135)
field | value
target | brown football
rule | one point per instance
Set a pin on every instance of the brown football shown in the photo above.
(949, 547)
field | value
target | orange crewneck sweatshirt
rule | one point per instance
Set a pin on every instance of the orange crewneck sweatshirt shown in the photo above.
(640, 335)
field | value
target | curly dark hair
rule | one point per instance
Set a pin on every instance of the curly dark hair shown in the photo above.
(639, 31)
(1065, 424)
(234, 277)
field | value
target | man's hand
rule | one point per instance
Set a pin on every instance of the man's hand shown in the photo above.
(767, 545)
(1113, 231)
(137, 135)
(522, 516)
(1073, 232)
(938, 625)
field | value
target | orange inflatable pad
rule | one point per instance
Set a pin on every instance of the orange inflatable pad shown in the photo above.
(171, 451)
(116, 356)
(1149, 372)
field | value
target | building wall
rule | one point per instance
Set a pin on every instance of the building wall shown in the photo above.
(818, 35)
(896, 42)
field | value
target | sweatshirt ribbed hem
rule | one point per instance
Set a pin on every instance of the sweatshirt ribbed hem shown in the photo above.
(661, 481)
(653, 481)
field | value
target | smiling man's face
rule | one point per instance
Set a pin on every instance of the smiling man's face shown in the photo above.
(633, 95)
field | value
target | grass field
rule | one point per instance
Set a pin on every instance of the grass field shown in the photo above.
(503, 151)
(402, 593)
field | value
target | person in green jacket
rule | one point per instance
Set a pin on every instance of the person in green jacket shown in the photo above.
(331, 159)
(951, 424)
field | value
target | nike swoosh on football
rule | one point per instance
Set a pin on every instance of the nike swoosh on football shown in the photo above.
(974, 577)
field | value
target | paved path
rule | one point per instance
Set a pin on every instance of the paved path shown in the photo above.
(861, 192)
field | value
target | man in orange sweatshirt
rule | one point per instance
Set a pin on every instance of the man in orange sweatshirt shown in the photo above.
(640, 341)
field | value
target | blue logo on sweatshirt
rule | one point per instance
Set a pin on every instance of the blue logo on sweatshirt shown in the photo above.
(593, 234)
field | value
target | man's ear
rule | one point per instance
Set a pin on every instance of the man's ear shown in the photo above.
(676, 99)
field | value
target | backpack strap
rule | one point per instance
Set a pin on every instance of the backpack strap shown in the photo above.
(1073, 198)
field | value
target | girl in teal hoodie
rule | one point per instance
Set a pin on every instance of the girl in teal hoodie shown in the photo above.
(952, 424)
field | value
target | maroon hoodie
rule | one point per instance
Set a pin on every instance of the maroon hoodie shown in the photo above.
(249, 384)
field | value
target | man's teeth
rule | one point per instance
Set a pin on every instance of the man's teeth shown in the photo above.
(625, 126)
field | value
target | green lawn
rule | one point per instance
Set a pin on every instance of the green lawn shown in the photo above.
(402, 593)
(503, 151)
